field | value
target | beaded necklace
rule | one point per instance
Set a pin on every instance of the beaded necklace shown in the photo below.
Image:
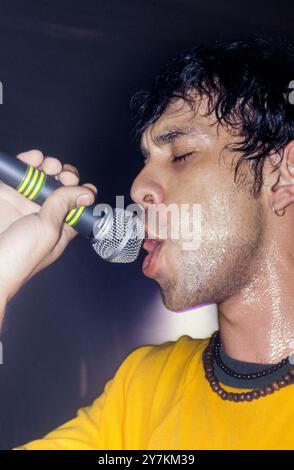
(211, 353)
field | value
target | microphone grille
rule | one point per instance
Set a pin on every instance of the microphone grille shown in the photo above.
(120, 237)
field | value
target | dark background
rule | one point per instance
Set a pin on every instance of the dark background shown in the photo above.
(68, 70)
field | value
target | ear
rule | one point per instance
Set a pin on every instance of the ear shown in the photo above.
(282, 192)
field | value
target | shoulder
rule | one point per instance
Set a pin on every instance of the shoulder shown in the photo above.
(180, 349)
(169, 361)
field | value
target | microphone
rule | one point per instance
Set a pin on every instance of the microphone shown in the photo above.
(115, 234)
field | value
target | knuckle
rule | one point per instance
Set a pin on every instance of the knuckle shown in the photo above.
(52, 165)
(68, 177)
(59, 199)
(91, 187)
(71, 168)
(34, 152)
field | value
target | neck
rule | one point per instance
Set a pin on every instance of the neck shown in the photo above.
(257, 323)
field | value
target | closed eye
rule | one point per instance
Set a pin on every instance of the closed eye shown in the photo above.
(181, 158)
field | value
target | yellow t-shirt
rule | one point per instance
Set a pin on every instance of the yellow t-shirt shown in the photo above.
(159, 399)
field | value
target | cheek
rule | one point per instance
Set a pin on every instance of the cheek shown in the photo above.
(221, 221)
(217, 217)
(222, 215)
(207, 208)
(230, 220)
(196, 184)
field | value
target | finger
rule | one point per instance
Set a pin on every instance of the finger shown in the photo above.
(92, 187)
(68, 178)
(32, 157)
(62, 201)
(72, 168)
(51, 166)
(69, 232)
(69, 175)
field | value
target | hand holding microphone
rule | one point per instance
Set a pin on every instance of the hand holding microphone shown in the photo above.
(33, 236)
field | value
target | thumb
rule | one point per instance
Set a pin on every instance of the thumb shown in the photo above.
(62, 201)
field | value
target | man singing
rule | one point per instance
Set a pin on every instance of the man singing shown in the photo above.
(216, 129)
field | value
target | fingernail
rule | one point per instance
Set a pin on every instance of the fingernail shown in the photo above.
(83, 200)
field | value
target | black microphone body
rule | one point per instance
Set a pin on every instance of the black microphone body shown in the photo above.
(35, 185)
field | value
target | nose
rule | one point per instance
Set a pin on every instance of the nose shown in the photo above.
(146, 190)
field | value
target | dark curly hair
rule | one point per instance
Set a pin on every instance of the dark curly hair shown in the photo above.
(247, 86)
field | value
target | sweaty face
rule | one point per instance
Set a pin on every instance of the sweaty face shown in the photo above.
(186, 164)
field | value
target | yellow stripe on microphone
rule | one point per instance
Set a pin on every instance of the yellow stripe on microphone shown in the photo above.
(74, 215)
(32, 183)
(39, 185)
(31, 186)
(27, 177)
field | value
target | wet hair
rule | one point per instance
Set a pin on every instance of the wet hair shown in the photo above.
(247, 86)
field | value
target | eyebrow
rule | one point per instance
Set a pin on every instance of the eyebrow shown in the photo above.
(170, 135)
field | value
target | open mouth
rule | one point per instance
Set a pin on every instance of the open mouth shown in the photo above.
(152, 247)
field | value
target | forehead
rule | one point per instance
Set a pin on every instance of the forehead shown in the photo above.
(180, 115)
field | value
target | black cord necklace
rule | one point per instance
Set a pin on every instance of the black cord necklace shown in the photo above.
(238, 375)
(274, 386)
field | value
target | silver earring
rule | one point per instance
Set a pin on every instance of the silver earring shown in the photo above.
(279, 213)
